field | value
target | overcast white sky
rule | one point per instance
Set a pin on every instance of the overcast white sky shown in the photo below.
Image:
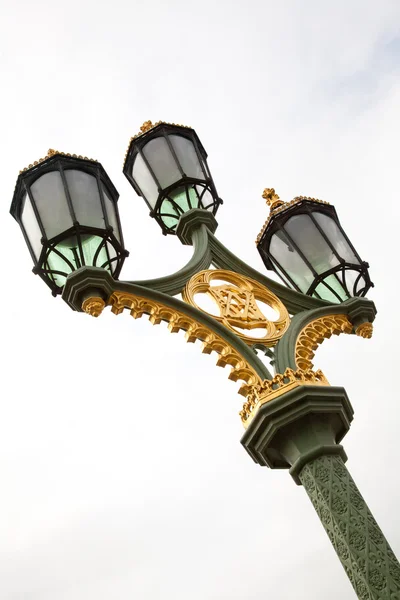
(121, 468)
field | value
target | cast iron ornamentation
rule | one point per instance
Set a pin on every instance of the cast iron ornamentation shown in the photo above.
(366, 556)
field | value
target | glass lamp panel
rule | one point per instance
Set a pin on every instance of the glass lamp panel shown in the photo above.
(330, 294)
(169, 213)
(207, 200)
(51, 202)
(162, 161)
(112, 254)
(290, 261)
(85, 198)
(144, 180)
(31, 226)
(187, 156)
(111, 210)
(336, 237)
(311, 243)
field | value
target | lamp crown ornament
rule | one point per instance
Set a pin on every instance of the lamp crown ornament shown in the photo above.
(272, 198)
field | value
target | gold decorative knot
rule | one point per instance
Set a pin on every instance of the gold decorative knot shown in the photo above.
(365, 330)
(93, 306)
(237, 304)
(270, 389)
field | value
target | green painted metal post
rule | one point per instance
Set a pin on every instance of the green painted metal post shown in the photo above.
(301, 430)
(366, 556)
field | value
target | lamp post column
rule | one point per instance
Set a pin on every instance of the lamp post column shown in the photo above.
(300, 430)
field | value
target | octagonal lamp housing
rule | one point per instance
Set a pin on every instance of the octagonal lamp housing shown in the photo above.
(304, 243)
(66, 206)
(167, 165)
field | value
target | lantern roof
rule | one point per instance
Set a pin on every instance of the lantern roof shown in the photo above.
(278, 206)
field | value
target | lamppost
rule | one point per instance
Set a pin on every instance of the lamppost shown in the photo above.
(66, 206)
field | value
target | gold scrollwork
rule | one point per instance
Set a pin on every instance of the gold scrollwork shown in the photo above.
(270, 389)
(237, 303)
(93, 306)
(314, 333)
(212, 342)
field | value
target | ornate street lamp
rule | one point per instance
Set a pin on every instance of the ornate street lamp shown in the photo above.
(304, 243)
(167, 165)
(66, 206)
(293, 419)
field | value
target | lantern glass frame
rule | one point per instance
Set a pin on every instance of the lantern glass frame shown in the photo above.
(346, 276)
(87, 234)
(167, 166)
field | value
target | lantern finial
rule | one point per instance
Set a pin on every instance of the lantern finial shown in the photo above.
(147, 125)
(272, 198)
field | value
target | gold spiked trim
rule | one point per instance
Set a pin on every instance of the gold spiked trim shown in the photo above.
(147, 126)
(51, 153)
(277, 206)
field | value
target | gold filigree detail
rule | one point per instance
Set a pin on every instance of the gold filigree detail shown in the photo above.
(241, 370)
(365, 330)
(280, 384)
(51, 153)
(93, 306)
(314, 334)
(283, 206)
(237, 303)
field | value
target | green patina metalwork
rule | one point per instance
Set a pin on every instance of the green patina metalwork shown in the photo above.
(366, 556)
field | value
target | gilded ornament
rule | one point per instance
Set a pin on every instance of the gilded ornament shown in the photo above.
(93, 306)
(314, 333)
(241, 370)
(280, 384)
(237, 304)
(272, 198)
(365, 330)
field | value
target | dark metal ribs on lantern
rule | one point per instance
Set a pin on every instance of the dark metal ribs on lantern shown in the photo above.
(67, 209)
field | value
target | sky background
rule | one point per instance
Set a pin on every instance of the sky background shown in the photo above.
(121, 465)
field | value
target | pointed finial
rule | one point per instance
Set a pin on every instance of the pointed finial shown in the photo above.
(272, 198)
(146, 126)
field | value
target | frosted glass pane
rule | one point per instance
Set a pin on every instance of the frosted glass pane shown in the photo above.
(162, 161)
(111, 210)
(187, 156)
(51, 203)
(31, 226)
(290, 261)
(311, 243)
(144, 180)
(336, 237)
(85, 198)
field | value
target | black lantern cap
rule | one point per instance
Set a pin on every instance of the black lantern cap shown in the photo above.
(304, 243)
(166, 164)
(66, 206)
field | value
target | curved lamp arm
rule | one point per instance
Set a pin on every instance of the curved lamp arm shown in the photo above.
(308, 330)
(89, 289)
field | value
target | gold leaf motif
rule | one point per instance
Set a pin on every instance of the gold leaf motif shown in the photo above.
(93, 306)
(365, 330)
